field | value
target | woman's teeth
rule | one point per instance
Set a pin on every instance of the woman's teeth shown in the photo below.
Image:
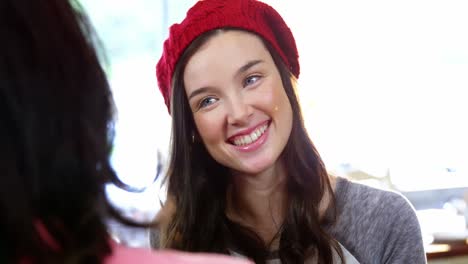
(250, 138)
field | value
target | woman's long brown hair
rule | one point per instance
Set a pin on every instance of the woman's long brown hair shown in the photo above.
(197, 186)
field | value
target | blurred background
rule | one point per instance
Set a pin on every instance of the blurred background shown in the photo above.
(383, 88)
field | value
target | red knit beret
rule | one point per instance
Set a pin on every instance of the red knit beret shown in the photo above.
(206, 15)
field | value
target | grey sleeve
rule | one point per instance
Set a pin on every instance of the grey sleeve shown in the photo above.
(403, 243)
(377, 226)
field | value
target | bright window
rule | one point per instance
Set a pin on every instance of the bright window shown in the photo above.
(383, 86)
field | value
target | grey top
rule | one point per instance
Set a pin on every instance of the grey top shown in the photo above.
(374, 226)
(348, 258)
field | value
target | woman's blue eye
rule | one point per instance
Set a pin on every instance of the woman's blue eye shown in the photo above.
(251, 80)
(207, 102)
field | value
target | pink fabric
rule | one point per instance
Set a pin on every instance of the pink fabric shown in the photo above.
(126, 255)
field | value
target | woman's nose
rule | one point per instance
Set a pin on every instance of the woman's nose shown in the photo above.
(239, 111)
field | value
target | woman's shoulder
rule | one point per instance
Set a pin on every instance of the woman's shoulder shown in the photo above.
(350, 194)
(376, 224)
(360, 207)
(125, 255)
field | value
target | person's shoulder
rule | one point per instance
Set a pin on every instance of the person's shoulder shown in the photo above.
(126, 255)
(376, 224)
(373, 200)
(352, 189)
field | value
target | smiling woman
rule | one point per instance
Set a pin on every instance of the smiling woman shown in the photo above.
(244, 177)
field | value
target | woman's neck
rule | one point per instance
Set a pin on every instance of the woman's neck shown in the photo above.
(259, 201)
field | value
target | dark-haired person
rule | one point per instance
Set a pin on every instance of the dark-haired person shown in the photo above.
(56, 114)
(244, 177)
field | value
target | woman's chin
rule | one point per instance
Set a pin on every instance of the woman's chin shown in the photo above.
(254, 168)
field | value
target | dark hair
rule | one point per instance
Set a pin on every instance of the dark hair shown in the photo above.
(56, 128)
(197, 185)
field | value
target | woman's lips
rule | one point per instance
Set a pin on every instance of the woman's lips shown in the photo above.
(251, 141)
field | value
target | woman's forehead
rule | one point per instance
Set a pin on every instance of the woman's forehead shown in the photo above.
(225, 53)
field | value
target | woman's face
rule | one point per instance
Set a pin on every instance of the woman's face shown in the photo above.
(239, 105)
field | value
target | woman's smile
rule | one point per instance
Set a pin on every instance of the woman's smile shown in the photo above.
(251, 139)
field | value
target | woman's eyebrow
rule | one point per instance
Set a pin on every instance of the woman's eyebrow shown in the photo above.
(247, 66)
(241, 70)
(199, 91)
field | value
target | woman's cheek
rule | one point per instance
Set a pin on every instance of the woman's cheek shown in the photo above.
(210, 127)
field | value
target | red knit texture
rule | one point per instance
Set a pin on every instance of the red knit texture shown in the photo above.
(206, 15)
